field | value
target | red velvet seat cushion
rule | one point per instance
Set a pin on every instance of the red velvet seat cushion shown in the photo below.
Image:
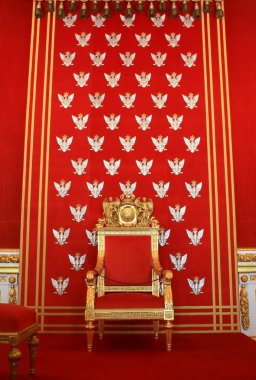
(129, 301)
(14, 318)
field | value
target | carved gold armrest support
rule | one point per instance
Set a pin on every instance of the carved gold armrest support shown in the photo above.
(167, 279)
(91, 290)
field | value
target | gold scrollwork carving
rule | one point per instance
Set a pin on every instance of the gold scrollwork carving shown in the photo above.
(4, 258)
(244, 307)
(126, 315)
(247, 257)
(12, 294)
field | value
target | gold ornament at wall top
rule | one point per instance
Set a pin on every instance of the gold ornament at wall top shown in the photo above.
(244, 308)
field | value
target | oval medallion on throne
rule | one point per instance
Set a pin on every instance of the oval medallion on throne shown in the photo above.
(127, 215)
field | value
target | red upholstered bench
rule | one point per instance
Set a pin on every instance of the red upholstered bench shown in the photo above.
(17, 323)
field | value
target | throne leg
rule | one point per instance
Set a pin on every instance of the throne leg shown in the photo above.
(32, 345)
(101, 329)
(168, 332)
(156, 328)
(14, 362)
(90, 331)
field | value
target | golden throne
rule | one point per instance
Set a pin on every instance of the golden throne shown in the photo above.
(125, 283)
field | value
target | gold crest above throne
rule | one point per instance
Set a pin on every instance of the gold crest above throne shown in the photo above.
(127, 211)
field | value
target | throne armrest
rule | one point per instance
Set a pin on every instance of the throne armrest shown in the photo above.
(167, 280)
(91, 276)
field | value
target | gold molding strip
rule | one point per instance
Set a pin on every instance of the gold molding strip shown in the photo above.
(246, 257)
(30, 168)
(47, 168)
(24, 177)
(9, 258)
(41, 166)
(215, 169)
(227, 202)
(209, 165)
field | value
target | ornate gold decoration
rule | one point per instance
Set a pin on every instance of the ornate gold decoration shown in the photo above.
(12, 279)
(244, 307)
(253, 278)
(2, 279)
(244, 278)
(247, 257)
(127, 212)
(9, 258)
(12, 294)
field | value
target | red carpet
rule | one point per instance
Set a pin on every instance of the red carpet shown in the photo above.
(123, 357)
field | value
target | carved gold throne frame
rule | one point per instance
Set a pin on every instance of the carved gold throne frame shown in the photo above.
(125, 283)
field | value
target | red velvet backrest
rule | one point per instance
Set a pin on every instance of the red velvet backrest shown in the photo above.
(128, 260)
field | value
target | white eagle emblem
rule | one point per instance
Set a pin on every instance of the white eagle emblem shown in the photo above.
(173, 39)
(66, 99)
(92, 236)
(159, 58)
(195, 236)
(127, 100)
(128, 188)
(112, 121)
(80, 121)
(98, 20)
(160, 143)
(158, 20)
(194, 189)
(179, 261)
(62, 188)
(96, 143)
(187, 20)
(79, 166)
(177, 213)
(113, 39)
(128, 21)
(163, 237)
(191, 100)
(78, 212)
(161, 188)
(81, 79)
(143, 79)
(127, 58)
(96, 99)
(176, 165)
(159, 100)
(196, 285)
(61, 235)
(98, 58)
(60, 285)
(144, 121)
(174, 79)
(77, 261)
(175, 121)
(83, 39)
(69, 20)
(64, 143)
(192, 143)
(127, 143)
(112, 166)
(67, 58)
(144, 165)
(143, 39)
(95, 188)
(189, 59)
(112, 79)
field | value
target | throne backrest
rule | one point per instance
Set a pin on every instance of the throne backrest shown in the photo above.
(127, 256)
(127, 245)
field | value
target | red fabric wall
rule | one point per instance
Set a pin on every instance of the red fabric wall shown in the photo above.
(15, 40)
(241, 32)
